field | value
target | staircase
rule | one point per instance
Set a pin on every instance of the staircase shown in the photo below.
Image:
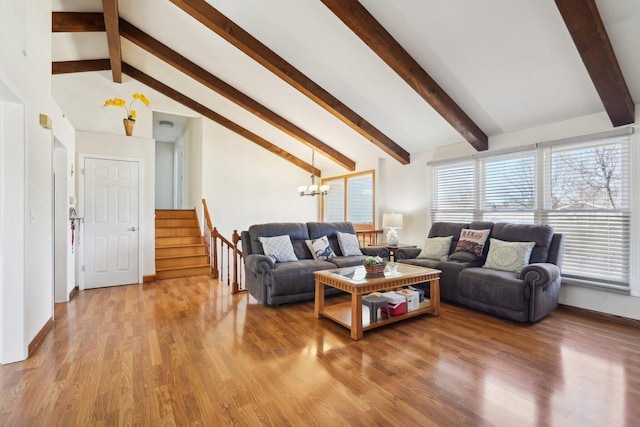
(180, 247)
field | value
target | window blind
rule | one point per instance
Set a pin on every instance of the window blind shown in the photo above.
(581, 187)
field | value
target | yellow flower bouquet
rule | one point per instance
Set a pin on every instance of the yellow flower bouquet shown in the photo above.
(119, 102)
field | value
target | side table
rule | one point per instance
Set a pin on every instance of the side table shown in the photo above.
(392, 249)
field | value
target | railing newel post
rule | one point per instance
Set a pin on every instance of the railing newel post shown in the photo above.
(235, 238)
(214, 246)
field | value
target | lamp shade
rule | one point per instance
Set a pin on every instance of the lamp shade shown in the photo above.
(392, 220)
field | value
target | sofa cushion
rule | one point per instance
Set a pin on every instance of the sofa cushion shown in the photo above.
(472, 241)
(538, 233)
(330, 229)
(420, 262)
(463, 256)
(279, 248)
(296, 277)
(320, 248)
(295, 230)
(349, 244)
(347, 261)
(436, 248)
(492, 287)
(508, 256)
(444, 229)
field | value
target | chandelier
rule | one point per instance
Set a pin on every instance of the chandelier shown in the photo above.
(313, 189)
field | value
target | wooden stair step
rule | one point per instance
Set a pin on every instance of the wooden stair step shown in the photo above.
(175, 213)
(175, 222)
(181, 261)
(180, 250)
(177, 232)
(194, 270)
(180, 246)
(184, 240)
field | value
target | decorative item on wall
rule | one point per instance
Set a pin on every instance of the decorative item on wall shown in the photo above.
(313, 189)
(392, 221)
(130, 120)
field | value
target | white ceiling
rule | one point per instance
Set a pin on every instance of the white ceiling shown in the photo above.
(509, 64)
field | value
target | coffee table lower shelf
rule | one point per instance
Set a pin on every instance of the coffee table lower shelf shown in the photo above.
(354, 281)
(341, 313)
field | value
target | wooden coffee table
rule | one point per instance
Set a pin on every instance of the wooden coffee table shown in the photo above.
(354, 281)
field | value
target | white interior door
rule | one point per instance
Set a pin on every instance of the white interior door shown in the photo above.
(111, 222)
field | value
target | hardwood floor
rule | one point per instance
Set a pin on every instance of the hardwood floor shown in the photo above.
(186, 352)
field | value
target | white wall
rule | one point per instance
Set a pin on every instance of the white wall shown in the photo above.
(245, 184)
(164, 175)
(131, 147)
(25, 69)
(193, 173)
(12, 232)
(62, 230)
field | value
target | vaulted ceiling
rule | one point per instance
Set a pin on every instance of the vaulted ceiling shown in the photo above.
(346, 77)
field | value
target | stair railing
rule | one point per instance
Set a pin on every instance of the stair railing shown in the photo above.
(227, 261)
(368, 237)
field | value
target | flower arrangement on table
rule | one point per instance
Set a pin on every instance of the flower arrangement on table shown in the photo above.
(374, 265)
(132, 115)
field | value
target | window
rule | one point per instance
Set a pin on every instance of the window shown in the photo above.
(351, 198)
(588, 201)
(579, 187)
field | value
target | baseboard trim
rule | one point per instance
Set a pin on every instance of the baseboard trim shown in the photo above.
(147, 279)
(74, 292)
(601, 316)
(39, 338)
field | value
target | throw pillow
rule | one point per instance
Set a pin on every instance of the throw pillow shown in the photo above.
(436, 248)
(349, 244)
(279, 248)
(463, 257)
(508, 256)
(472, 241)
(320, 248)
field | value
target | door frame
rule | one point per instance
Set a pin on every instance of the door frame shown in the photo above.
(81, 200)
(61, 204)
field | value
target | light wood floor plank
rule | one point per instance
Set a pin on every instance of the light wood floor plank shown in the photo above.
(187, 352)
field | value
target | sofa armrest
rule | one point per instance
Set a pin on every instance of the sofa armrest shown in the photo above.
(259, 263)
(380, 251)
(540, 274)
(407, 253)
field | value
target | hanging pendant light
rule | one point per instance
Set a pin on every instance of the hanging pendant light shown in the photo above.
(313, 189)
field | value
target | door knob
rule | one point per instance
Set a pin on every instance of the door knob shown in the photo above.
(132, 229)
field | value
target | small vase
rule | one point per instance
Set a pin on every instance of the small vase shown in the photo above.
(128, 126)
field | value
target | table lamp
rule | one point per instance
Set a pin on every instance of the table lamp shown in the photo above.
(392, 221)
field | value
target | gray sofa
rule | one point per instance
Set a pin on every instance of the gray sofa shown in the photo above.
(275, 283)
(525, 296)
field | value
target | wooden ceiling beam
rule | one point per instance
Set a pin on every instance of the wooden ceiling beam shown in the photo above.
(212, 115)
(374, 35)
(111, 22)
(80, 66)
(227, 29)
(77, 22)
(590, 37)
(207, 79)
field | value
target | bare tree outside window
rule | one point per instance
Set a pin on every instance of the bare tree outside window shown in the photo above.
(510, 184)
(589, 178)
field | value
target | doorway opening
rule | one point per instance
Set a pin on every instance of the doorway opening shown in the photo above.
(63, 271)
(172, 134)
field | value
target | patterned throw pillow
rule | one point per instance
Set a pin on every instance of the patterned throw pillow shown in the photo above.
(508, 256)
(472, 241)
(349, 244)
(436, 248)
(320, 248)
(279, 248)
